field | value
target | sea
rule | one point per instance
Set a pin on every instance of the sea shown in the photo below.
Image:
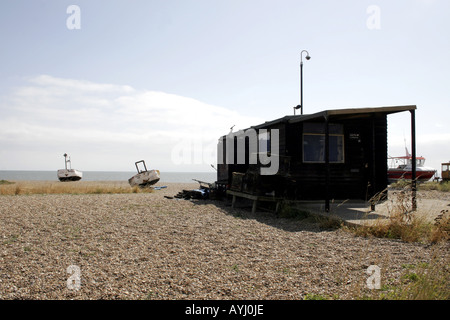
(174, 177)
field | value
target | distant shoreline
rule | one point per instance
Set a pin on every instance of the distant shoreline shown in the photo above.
(166, 177)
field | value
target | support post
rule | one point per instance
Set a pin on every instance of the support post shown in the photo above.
(413, 163)
(255, 202)
(374, 168)
(327, 165)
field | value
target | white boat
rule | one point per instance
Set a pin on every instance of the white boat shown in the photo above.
(69, 174)
(401, 168)
(144, 178)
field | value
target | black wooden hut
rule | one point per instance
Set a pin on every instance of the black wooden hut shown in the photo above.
(333, 154)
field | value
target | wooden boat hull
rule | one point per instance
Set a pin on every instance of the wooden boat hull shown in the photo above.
(398, 174)
(69, 175)
(144, 179)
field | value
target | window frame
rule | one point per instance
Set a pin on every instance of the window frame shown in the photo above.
(339, 146)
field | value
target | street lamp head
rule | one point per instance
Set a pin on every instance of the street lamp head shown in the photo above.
(307, 55)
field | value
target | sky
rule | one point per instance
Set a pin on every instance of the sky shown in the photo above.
(114, 82)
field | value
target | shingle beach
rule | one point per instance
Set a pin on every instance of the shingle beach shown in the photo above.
(146, 246)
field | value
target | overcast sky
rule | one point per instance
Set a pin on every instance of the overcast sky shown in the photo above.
(119, 81)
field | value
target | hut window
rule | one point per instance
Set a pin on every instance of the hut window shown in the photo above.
(314, 143)
(264, 141)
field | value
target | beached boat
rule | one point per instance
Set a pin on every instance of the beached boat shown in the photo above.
(69, 174)
(401, 168)
(144, 178)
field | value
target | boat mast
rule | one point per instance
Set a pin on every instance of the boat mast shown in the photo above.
(66, 161)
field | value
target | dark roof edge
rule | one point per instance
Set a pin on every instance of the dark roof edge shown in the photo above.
(335, 112)
(276, 121)
(387, 110)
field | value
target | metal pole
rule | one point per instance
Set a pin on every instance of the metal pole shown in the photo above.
(327, 166)
(413, 150)
(301, 78)
(301, 87)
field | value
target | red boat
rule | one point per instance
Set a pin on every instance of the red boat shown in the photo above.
(401, 168)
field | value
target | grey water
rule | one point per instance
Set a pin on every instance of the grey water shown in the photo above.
(174, 177)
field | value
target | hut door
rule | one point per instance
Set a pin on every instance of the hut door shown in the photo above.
(358, 161)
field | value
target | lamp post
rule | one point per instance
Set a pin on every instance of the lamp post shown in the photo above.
(301, 80)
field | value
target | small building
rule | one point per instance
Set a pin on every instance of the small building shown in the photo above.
(333, 154)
